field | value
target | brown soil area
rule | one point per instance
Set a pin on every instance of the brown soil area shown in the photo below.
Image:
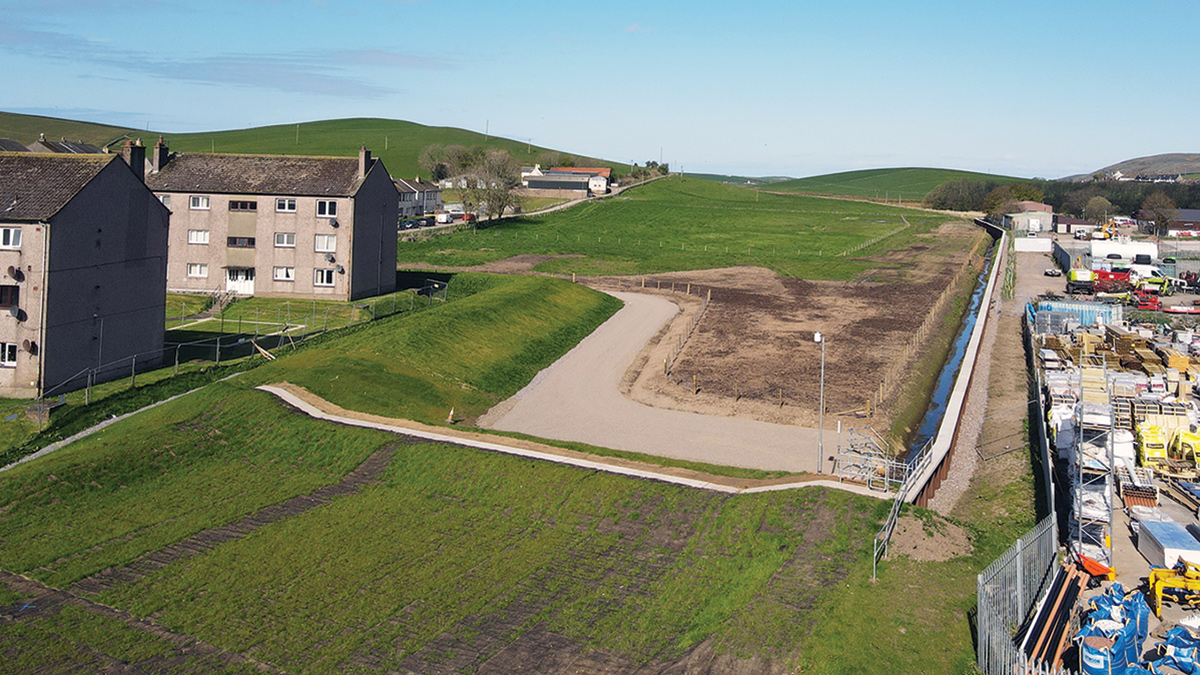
(752, 354)
(935, 541)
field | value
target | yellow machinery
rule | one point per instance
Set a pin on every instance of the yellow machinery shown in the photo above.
(1106, 231)
(1185, 577)
(1184, 445)
(1151, 445)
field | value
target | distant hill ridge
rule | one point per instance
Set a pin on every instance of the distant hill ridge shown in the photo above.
(1171, 163)
(396, 142)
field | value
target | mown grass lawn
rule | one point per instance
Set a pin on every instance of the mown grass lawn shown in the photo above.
(678, 224)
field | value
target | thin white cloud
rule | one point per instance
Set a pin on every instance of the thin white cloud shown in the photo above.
(317, 72)
(636, 28)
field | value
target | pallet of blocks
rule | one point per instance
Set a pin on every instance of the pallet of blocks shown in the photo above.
(1093, 385)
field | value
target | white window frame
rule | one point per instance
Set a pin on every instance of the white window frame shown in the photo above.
(317, 239)
(198, 236)
(326, 208)
(199, 203)
(285, 205)
(10, 237)
(197, 270)
(284, 274)
(8, 354)
(320, 276)
(166, 200)
(285, 240)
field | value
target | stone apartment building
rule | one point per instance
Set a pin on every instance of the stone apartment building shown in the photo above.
(277, 225)
(83, 252)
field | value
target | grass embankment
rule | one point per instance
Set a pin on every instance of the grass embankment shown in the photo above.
(677, 224)
(908, 184)
(396, 142)
(480, 348)
(452, 541)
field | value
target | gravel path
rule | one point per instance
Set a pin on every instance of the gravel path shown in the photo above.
(578, 399)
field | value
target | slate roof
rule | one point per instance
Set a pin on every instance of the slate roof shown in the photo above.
(9, 145)
(64, 147)
(258, 175)
(35, 186)
(415, 185)
(589, 170)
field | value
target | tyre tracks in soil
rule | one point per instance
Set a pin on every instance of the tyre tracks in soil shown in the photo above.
(47, 599)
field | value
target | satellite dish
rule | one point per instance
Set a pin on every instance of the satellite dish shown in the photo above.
(341, 270)
(328, 257)
(15, 311)
(333, 223)
(25, 344)
(12, 271)
(32, 347)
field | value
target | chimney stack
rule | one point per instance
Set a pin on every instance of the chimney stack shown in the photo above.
(134, 154)
(364, 161)
(160, 157)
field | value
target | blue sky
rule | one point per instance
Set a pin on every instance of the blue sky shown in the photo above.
(796, 88)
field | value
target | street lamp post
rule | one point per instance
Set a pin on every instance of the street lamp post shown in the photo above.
(817, 337)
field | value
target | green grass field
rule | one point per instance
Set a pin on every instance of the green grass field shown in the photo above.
(909, 184)
(687, 224)
(396, 142)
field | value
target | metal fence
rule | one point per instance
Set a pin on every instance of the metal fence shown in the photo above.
(1007, 591)
(244, 339)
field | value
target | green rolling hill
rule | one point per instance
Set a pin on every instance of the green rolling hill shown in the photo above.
(395, 141)
(903, 183)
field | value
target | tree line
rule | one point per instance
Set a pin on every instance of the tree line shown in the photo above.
(1096, 201)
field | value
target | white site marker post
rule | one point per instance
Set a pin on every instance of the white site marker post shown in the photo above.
(821, 414)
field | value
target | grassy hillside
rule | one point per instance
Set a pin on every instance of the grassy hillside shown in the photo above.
(909, 184)
(483, 346)
(395, 141)
(682, 223)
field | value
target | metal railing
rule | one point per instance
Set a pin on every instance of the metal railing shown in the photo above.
(883, 538)
(1007, 591)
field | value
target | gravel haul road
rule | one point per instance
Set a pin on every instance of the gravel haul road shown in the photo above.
(578, 399)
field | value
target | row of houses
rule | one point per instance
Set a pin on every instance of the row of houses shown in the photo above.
(561, 181)
(90, 245)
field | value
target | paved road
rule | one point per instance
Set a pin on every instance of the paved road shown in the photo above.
(577, 399)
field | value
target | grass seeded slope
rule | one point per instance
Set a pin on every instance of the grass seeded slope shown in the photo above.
(911, 184)
(395, 141)
(679, 223)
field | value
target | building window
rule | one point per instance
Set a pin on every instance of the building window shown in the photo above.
(325, 243)
(240, 205)
(197, 270)
(10, 296)
(285, 274)
(8, 354)
(322, 277)
(197, 236)
(166, 200)
(285, 240)
(239, 242)
(10, 237)
(285, 205)
(326, 208)
(198, 203)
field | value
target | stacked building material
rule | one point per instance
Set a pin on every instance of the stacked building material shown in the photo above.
(1172, 358)
(1136, 484)
(1049, 628)
(1124, 341)
(1094, 387)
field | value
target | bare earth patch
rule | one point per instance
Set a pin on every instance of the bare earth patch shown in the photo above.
(929, 542)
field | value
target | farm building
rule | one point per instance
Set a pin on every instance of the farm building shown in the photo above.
(278, 226)
(1032, 222)
(1071, 225)
(1186, 223)
(83, 254)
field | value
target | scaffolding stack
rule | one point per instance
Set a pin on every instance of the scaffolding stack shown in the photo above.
(868, 461)
(1090, 525)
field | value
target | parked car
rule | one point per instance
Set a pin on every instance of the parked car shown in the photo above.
(1053, 272)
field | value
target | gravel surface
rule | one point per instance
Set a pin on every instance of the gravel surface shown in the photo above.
(578, 399)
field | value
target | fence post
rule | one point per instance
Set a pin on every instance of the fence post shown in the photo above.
(218, 359)
(87, 394)
(133, 371)
(177, 359)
